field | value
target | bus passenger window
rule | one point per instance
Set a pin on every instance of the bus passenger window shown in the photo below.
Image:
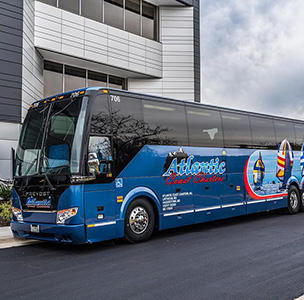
(168, 121)
(299, 129)
(236, 130)
(284, 130)
(205, 128)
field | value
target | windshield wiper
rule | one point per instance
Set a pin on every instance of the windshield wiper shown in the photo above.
(49, 182)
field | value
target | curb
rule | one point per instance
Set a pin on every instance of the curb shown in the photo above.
(7, 240)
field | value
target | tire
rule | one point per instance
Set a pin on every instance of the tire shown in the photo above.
(294, 200)
(139, 221)
(302, 201)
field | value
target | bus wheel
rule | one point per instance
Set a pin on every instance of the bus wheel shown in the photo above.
(294, 202)
(139, 221)
(302, 201)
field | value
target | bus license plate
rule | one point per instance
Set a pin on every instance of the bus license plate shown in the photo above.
(35, 228)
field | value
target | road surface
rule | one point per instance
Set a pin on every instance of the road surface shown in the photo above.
(255, 257)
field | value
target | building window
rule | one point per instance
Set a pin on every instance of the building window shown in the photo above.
(60, 78)
(97, 79)
(113, 15)
(148, 20)
(53, 78)
(115, 82)
(50, 2)
(74, 78)
(92, 9)
(132, 16)
(135, 16)
(70, 5)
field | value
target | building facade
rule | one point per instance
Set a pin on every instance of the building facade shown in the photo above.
(52, 46)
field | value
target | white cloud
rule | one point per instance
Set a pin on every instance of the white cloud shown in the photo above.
(253, 55)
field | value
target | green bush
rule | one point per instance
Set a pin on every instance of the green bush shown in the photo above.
(5, 192)
(5, 212)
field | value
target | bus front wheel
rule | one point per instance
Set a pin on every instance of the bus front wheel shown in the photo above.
(294, 202)
(139, 221)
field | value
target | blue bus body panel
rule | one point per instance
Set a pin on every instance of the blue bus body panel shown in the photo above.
(185, 185)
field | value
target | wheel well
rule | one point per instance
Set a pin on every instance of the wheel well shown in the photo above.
(155, 209)
(295, 185)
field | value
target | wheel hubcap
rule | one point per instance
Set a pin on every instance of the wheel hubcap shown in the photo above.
(293, 200)
(139, 220)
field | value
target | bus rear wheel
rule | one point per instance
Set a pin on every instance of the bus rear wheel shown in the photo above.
(294, 200)
(139, 221)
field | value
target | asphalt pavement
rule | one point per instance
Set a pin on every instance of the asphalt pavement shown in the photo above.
(254, 257)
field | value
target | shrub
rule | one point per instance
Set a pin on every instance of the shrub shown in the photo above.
(5, 212)
(5, 192)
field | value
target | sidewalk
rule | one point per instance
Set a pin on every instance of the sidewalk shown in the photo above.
(7, 240)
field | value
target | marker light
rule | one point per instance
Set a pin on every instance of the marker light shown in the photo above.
(17, 212)
(63, 215)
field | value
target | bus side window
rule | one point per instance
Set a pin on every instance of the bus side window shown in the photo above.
(284, 130)
(167, 122)
(205, 127)
(299, 129)
(263, 135)
(100, 115)
(236, 130)
(128, 129)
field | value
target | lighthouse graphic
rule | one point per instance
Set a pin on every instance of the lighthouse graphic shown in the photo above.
(285, 162)
(258, 173)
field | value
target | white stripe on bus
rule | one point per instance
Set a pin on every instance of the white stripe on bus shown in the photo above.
(179, 213)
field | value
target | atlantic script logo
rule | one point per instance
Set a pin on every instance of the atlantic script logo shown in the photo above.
(34, 203)
(209, 171)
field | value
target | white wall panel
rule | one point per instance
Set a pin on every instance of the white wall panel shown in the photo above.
(80, 37)
(176, 35)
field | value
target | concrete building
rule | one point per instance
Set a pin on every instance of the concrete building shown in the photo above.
(51, 46)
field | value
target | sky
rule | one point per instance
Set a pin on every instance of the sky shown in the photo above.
(253, 55)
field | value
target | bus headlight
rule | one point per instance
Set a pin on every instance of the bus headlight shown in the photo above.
(63, 215)
(17, 212)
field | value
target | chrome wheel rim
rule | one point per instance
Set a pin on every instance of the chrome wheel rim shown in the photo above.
(294, 200)
(139, 220)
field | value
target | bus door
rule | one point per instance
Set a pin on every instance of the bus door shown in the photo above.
(232, 192)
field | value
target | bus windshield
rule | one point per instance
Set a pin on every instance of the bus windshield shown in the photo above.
(49, 142)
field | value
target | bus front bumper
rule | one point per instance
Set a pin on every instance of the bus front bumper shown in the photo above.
(75, 234)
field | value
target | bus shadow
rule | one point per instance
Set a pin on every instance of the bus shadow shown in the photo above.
(159, 235)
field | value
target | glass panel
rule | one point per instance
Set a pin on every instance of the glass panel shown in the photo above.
(52, 66)
(284, 130)
(128, 129)
(74, 78)
(58, 145)
(148, 20)
(113, 14)
(299, 128)
(53, 83)
(29, 148)
(168, 121)
(70, 5)
(115, 82)
(92, 9)
(263, 134)
(100, 156)
(205, 127)
(133, 16)
(236, 130)
(97, 79)
(50, 2)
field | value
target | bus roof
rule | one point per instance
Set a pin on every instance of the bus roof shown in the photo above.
(166, 99)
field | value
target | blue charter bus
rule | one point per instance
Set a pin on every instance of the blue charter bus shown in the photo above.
(97, 163)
